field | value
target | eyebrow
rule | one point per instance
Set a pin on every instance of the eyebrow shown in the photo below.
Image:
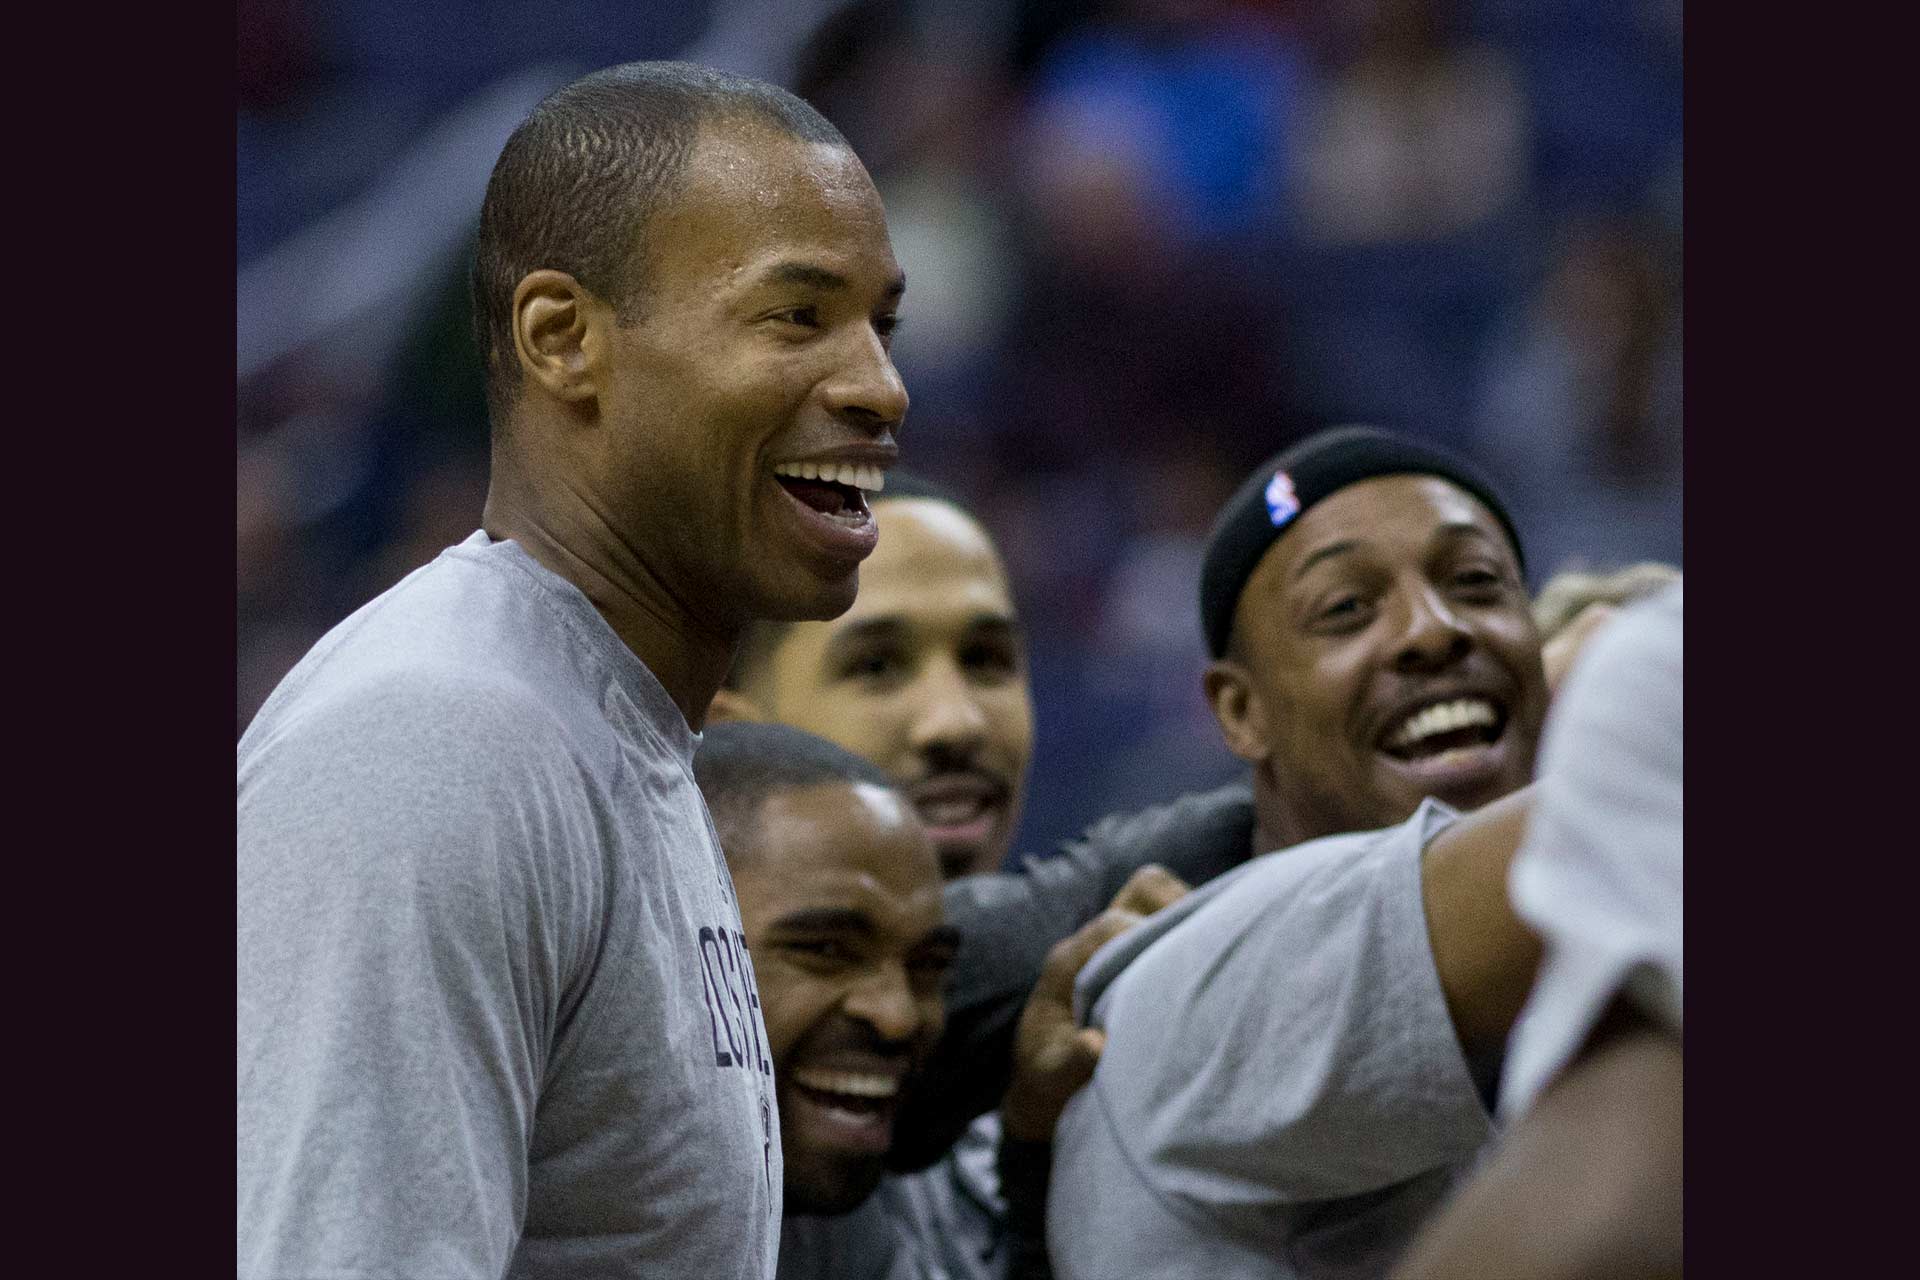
(865, 630)
(892, 626)
(810, 276)
(1450, 530)
(846, 920)
(1332, 549)
(1458, 528)
(826, 920)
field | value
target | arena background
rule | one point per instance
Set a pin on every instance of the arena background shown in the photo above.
(1149, 242)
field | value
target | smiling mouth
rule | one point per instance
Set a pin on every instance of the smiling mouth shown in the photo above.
(959, 812)
(1443, 728)
(835, 490)
(855, 1108)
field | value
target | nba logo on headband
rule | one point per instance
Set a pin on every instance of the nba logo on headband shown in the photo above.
(1282, 504)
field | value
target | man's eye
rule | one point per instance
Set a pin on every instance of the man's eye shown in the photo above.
(935, 963)
(825, 950)
(1479, 579)
(872, 666)
(886, 325)
(1344, 613)
(805, 317)
(991, 659)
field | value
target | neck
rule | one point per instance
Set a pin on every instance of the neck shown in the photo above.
(1281, 821)
(553, 524)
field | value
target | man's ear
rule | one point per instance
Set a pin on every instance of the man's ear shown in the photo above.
(1238, 707)
(559, 335)
(731, 704)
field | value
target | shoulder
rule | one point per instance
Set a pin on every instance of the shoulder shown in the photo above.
(1345, 894)
(410, 709)
(414, 753)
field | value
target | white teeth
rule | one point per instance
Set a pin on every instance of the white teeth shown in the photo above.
(847, 1082)
(859, 475)
(1444, 717)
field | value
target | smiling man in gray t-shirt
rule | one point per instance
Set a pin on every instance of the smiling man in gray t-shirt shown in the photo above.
(496, 1016)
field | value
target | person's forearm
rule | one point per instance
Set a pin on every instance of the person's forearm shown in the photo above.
(1483, 952)
(1586, 1186)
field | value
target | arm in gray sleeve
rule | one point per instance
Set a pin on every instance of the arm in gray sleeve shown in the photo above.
(394, 994)
(1009, 920)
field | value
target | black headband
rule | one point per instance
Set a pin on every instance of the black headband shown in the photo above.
(1273, 497)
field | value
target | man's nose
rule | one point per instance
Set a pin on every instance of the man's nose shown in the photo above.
(866, 389)
(1433, 637)
(949, 715)
(885, 1002)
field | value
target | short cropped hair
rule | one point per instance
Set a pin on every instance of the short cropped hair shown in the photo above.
(578, 181)
(741, 763)
(763, 635)
(1569, 591)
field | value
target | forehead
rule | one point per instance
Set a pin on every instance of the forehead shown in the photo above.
(932, 561)
(754, 193)
(843, 845)
(1394, 516)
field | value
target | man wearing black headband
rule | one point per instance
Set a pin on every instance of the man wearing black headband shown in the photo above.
(1362, 595)
(1363, 600)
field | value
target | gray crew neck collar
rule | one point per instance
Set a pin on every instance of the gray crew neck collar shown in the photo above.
(632, 676)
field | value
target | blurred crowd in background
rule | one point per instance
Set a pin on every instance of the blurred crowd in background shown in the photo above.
(1148, 244)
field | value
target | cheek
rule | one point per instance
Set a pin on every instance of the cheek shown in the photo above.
(1011, 713)
(933, 1020)
(1336, 686)
(875, 727)
(791, 1006)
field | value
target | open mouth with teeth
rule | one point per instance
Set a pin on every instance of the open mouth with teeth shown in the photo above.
(1445, 730)
(836, 490)
(960, 812)
(851, 1109)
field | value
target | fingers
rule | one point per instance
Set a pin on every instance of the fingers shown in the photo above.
(1071, 953)
(1082, 1056)
(1145, 892)
(1149, 889)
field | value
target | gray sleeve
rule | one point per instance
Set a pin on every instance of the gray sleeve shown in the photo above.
(1008, 921)
(1290, 1042)
(1599, 876)
(397, 988)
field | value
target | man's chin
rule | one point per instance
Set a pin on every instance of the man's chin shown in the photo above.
(960, 860)
(830, 1195)
(806, 596)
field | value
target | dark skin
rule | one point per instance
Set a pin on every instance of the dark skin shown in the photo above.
(1587, 1186)
(840, 898)
(637, 459)
(1484, 955)
(1393, 593)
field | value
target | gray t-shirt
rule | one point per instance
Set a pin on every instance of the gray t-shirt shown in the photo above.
(496, 1016)
(1599, 877)
(1282, 1093)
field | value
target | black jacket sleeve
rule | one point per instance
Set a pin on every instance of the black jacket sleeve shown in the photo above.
(1008, 921)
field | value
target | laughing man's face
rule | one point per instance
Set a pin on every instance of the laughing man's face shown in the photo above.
(840, 899)
(1390, 655)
